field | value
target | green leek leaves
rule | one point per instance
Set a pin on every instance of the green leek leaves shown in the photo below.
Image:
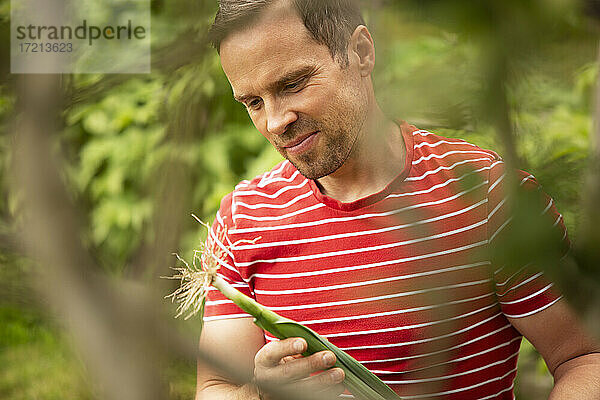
(359, 380)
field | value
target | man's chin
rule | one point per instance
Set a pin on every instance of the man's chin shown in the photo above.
(306, 170)
(310, 172)
(312, 176)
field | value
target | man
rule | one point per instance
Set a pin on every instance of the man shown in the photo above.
(375, 234)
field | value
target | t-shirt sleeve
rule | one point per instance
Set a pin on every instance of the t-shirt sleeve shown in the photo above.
(217, 306)
(526, 236)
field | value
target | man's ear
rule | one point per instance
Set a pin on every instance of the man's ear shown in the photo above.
(363, 47)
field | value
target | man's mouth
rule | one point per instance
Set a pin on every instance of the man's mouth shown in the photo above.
(301, 144)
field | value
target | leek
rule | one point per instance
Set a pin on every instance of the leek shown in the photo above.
(191, 296)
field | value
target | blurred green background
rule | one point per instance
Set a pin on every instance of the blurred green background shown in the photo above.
(117, 133)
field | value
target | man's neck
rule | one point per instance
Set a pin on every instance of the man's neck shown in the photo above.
(376, 159)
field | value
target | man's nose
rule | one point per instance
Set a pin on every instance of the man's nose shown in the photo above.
(279, 117)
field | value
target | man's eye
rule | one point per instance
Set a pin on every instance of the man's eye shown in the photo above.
(294, 85)
(254, 104)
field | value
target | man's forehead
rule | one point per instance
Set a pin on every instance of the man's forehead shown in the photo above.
(281, 64)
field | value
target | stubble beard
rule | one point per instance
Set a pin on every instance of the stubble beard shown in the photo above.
(333, 149)
(315, 166)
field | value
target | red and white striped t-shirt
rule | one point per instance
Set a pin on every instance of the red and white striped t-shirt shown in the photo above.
(402, 280)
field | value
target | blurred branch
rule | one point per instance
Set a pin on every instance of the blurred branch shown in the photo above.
(498, 107)
(591, 228)
(9, 243)
(187, 48)
(172, 193)
(592, 8)
(502, 44)
(167, 59)
(586, 284)
(185, 121)
(113, 337)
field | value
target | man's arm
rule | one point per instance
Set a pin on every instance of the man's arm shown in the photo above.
(572, 356)
(237, 341)
(241, 343)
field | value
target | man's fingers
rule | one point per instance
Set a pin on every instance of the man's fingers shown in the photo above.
(272, 353)
(280, 363)
(328, 384)
(289, 358)
(297, 369)
(325, 379)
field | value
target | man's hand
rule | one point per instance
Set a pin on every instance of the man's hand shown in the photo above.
(242, 343)
(280, 363)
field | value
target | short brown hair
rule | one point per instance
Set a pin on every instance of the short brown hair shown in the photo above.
(330, 22)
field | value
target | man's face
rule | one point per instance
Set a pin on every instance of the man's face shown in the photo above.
(300, 98)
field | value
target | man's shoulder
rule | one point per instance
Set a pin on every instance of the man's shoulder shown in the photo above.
(430, 145)
(269, 191)
(445, 159)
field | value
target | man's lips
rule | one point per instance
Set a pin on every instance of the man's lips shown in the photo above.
(301, 144)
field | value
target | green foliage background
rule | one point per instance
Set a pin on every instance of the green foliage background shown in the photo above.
(116, 140)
